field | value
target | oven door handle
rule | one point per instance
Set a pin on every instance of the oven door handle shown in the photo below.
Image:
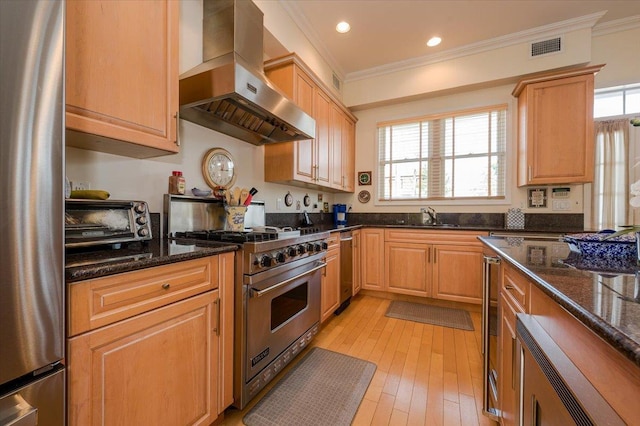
(259, 293)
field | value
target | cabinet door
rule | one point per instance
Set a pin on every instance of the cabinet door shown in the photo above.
(304, 90)
(122, 75)
(331, 283)
(156, 368)
(556, 132)
(457, 273)
(225, 330)
(372, 261)
(322, 141)
(507, 387)
(408, 267)
(336, 125)
(356, 262)
(349, 155)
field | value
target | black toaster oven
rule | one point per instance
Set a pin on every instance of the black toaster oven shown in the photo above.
(97, 222)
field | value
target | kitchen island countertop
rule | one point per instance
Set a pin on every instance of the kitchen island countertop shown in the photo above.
(603, 295)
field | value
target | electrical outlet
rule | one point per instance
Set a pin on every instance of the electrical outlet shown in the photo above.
(80, 185)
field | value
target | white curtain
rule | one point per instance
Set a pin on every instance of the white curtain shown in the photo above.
(611, 181)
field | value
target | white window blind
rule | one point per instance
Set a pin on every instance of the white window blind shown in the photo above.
(447, 156)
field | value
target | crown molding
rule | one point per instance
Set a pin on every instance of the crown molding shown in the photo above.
(533, 34)
(619, 25)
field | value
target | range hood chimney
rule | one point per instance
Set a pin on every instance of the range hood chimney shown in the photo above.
(229, 92)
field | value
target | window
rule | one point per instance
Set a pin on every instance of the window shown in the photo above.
(616, 101)
(448, 156)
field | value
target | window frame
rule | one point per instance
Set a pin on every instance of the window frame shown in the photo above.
(504, 158)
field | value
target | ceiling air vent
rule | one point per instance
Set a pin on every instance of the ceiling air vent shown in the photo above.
(545, 47)
(336, 82)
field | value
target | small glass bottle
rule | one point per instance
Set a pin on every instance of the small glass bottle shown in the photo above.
(176, 183)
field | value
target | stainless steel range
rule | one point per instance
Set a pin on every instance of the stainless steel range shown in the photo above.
(277, 298)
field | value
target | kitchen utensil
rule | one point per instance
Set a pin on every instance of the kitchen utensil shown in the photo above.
(235, 198)
(227, 196)
(244, 194)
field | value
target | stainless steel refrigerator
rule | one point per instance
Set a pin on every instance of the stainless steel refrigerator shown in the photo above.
(32, 375)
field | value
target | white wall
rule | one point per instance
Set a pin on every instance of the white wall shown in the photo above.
(127, 178)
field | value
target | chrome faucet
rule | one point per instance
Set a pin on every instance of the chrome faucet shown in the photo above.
(429, 216)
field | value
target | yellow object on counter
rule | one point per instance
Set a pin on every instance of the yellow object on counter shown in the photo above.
(90, 194)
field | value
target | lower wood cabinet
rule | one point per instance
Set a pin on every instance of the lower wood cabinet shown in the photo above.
(357, 260)
(170, 364)
(437, 264)
(507, 377)
(330, 290)
(372, 262)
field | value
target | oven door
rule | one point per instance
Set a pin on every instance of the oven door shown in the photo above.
(281, 305)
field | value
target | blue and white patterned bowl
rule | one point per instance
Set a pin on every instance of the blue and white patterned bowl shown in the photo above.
(602, 265)
(594, 244)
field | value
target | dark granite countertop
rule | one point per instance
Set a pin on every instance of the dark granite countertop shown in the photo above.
(603, 295)
(87, 264)
(480, 228)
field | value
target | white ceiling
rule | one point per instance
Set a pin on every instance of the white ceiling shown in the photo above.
(389, 33)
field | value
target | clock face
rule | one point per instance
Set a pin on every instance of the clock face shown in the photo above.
(218, 168)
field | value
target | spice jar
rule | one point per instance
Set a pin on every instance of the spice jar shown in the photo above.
(176, 183)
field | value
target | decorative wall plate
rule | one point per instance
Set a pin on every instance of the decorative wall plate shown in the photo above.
(306, 200)
(364, 196)
(288, 199)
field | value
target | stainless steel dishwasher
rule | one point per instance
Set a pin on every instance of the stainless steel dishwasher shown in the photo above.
(346, 270)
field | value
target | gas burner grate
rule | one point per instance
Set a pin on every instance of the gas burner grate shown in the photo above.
(228, 236)
(309, 230)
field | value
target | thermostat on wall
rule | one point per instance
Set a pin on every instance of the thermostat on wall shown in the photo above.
(560, 192)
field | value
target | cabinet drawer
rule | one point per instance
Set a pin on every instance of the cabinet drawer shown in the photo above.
(96, 303)
(515, 287)
(434, 236)
(333, 240)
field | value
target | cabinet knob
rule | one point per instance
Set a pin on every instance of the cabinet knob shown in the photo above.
(166, 286)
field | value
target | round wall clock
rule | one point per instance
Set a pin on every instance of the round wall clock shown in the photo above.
(218, 168)
(306, 200)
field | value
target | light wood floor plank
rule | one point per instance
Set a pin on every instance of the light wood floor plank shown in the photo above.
(425, 375)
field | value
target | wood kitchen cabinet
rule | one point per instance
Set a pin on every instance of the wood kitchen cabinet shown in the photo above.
(153, 346)
(437, 264)
(555, 127)
(122, 76)
(372, 261)
(330, 289)
(514, 290)
(319, 162)
(357, 261)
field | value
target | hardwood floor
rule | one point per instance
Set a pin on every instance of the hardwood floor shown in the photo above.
(426, 375)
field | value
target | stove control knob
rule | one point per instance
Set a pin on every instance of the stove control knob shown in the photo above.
(139, 208)
(292, 251)
(266, 261)
(325, 246)
(317, 247)
(281, 257)
(141, 220)
(310, 248)
(301, 249)
(143, 232)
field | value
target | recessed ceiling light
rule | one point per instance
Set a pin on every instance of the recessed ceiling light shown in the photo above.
(343, 27)
(434, 41)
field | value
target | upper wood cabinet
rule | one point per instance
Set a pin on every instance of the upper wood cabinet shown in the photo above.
(555, 127)
(326, 162)
(122, 76)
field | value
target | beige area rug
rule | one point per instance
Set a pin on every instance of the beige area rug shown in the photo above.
(324, 388)
(429, 314)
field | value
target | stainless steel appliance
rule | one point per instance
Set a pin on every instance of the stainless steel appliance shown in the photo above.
(32, 376)
(277, 293)
(229, 92)
(346, 270)
(98, 222)
(490, 334)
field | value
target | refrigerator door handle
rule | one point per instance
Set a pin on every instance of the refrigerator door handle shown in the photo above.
(15, 411)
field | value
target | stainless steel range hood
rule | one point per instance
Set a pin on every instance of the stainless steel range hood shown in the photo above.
(229, 92)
